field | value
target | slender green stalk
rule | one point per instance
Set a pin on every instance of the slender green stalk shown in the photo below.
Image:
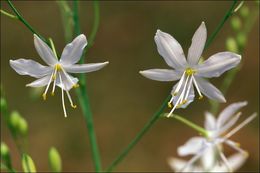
(53, 47)
(8, 14)
(19, 16)
(156, 116)
(85, 105)
(4, 167)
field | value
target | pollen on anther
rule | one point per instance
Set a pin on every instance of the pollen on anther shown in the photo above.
(75, 86)
(74, 106)
(52, 93)
(44, 96)
(200, 97)
(169, 105)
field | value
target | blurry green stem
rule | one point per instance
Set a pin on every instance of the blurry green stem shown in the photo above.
(53, 47)
(19, 16)
(8, 14)
(156, 116)
(84, 102)
(4, 167)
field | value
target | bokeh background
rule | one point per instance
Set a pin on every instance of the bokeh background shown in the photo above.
(122, 100)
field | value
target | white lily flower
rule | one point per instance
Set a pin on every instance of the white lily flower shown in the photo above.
(190, 72)
(57, 71)
(211, 147)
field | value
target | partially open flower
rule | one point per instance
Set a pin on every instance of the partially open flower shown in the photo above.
(57, 71)
(190, 72)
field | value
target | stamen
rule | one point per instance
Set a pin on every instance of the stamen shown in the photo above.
(74, 85)
(44, 95)
(170, 102)
(223, 157)
(184, 89)
(188, 91)
(71, 103)
(62, 97)
(179, 85)
(236, 147)
(53, 88)
(197, 87)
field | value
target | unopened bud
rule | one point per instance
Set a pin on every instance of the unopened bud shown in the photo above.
(15, 119)
(4, 150)
(236, 23)
(23, 127)
(231, 44)
(3, 105)
(241, 39)
(244, 11)
(55, 160)
(28, 164)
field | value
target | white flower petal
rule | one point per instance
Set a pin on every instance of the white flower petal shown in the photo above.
(210, 121)
(198, 42)
(68, 81)
(161, 74)
(30, 67)
(170, 50)
(72, 52)
(177, 164)
(228, 112)
(209, 90)
(227, 125)
(208, 158)
(40, 82)
(192, 146)
(85, 68)
(44, 51)
(235, 161)
(217, 64)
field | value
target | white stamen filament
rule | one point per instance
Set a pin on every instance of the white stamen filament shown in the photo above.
(71, 102)
(223, 157)
(68, 77)
(46, 90)
(62, 97)
(188, 90)
(235, 147)
(54, 81)
(197, 87)
(179, 84)
(184, 89)
(241, 125)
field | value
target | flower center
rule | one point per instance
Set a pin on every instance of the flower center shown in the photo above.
(189, 71)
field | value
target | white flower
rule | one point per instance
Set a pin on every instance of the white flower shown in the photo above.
(211, 147)
(190, 71)
(57, 71)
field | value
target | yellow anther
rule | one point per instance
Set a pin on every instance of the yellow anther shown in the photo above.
(200, 97)
(53, 77)
(237, 144)
(75, 86)
(169, 105)
(74, 106)
(190, 71)
(44, 96)
(58, 67)
(246, 154)
(52, 94)
(175, 94)
(184, 101)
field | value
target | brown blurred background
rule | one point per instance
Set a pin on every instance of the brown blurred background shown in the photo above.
(122, 100)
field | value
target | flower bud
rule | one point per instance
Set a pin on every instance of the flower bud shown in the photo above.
(244, 11)
(236, 23)
(241, 39)
(28, 164)
(4, 150)
(22, 127)
(3, 105)
(14, 120)
(231, 44)
(55, 160)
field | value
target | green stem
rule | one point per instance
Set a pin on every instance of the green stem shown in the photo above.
(4, 167)
(155, 117)
(53, 47)
(8, 14)
(85, 105)
(19, 16)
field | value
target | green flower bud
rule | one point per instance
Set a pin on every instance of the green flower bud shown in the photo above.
(236, 23)
(28, 164)
(55, 160)
(23, 127)
(15, 119)
(3, 105)
(231, 44)
(241, 39)
(244, 11)
(4, 150)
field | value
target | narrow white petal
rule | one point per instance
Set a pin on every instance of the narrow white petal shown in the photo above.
(161, 74)
(170, 50)
(192, 146)
(217, 64)
(85, 68)
(198, 42)
(30, 67)
(44, 51)
(68, 81)
(210, 121)
(177, 164)
(208, 159)
(228, 112)
(209, 90)
(72, 52)
(40, 82)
